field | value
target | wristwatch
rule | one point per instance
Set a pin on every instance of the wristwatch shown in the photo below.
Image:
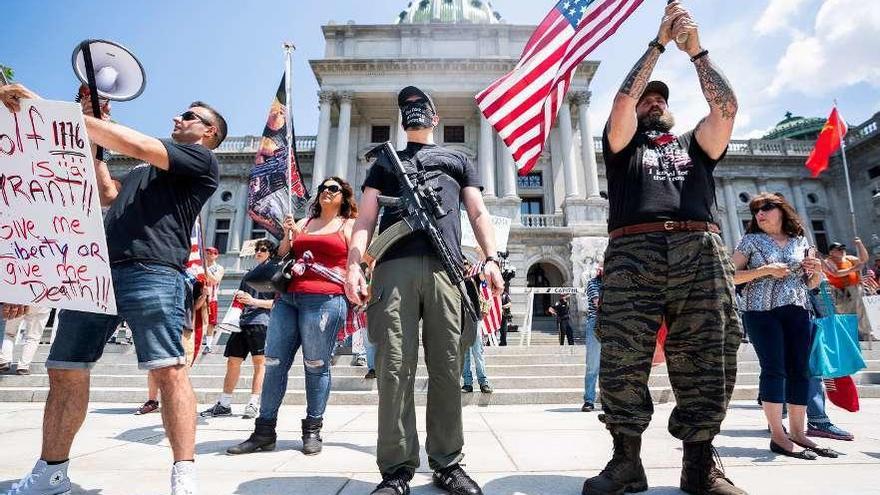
(493, 260)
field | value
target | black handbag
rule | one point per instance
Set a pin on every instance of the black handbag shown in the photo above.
(282, 278)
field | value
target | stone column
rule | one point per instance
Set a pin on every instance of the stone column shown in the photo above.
(319, 170)
(487, 157)
(508, 172)
(238, 225)
(800, 205)
(732, 218)
(565, 134)
(588, 151)
(343, 135)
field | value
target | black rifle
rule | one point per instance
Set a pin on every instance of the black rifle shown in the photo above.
(420, 206)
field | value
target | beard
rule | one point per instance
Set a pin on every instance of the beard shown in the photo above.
(663, 122)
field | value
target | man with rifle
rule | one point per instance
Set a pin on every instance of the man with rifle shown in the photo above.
(419, 278)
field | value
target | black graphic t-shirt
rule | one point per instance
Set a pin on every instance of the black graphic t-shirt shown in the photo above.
(447, 169)
(659, 176)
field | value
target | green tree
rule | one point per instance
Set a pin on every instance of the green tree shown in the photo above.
(7, 72)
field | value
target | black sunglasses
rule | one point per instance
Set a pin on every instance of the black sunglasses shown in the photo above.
(764, 207)
(333, 188)
(190, 115)
(263, 250)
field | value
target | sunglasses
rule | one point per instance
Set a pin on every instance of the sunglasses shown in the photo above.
(764, 207)
(262, 250)
(189, 115)
(333, 188)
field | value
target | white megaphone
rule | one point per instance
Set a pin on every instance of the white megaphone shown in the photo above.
(110, 71)
(230, 321)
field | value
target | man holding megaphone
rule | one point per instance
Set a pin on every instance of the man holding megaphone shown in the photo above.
(148, 223)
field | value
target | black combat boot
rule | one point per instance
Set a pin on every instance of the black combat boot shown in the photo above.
(263, 438)
(624, 473)
(312, 443)
(700, 475)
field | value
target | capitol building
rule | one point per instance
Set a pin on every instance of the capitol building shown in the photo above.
(455, 48)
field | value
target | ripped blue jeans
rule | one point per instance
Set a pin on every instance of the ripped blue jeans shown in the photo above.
(310, 321)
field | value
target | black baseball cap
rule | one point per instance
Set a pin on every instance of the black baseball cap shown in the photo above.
(658, 87)
(410, 91)
(836, 245)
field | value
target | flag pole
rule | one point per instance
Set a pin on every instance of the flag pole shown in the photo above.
(852, 212)
(288, 89)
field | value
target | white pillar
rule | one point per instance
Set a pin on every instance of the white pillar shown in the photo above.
(565, 134)
(732, 217)
(343, 135)
(508, 172)
(319, 171)
(800, 206)
(238, 225)
(588, 151)
(487, 157)
(400, 135)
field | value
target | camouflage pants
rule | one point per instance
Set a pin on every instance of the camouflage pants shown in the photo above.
(686, 279)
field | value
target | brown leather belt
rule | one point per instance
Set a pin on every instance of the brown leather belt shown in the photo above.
(667, 226)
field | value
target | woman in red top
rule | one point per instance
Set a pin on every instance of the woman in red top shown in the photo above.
(308, 316)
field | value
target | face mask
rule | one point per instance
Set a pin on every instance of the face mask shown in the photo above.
(417, 115)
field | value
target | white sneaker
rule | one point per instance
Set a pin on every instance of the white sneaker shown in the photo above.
(183, 478)
(251, 411)
(43, 480)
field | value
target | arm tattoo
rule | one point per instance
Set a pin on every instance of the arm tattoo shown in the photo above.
(716, 89)
(637, 79)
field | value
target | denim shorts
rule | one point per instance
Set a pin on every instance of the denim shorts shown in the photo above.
(150, 297)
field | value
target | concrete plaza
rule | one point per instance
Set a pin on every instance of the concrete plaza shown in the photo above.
(528, 450)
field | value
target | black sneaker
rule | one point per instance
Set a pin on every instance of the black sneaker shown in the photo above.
(216, 410)
(588, 407)
(5, 367)
(454, 480)
(394, 484)
(485, 388)
(371, 375)
(467, 389)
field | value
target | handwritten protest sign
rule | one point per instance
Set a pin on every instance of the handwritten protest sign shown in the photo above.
(872, 307)
(52, 246)
(502, 232)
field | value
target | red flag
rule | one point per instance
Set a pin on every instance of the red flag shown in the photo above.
(827, 143)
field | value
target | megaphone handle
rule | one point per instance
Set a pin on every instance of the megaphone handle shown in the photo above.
(93, 88)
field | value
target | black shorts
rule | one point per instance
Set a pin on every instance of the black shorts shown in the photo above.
(251, 339)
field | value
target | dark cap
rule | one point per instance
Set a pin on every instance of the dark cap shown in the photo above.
(658, 87)
(836, 245)
(410, 91)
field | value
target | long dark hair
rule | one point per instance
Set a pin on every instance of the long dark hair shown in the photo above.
(349, 207)
(791, 222)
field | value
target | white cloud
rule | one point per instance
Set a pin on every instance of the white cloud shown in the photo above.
(778, 16)
(841, 52)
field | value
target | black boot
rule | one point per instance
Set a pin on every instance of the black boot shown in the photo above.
(700, 475)
(624, 473)
(263, 438)
(312, 443)
(455, 481)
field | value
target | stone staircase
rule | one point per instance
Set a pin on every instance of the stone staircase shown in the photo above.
(540, 374)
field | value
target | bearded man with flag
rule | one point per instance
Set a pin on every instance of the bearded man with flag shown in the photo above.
(665, 261)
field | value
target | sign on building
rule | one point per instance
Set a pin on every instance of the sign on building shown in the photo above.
(53, 250)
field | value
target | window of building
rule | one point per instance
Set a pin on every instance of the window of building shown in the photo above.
(532, 206)
(531, 181)
(453, 134)
(259, 233)
(226, 196)
(745, 197)
(821, 235)
(812, 198)
(222, 228)
(874, 172)
(603, 194)
(380, 134)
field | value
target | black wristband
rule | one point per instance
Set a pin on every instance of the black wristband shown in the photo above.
(699, 55)
(656, 44)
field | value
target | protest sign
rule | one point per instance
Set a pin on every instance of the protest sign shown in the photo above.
(502, 232)
(53, 250)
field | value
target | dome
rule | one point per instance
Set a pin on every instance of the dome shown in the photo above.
(796, 127)
(449, 12)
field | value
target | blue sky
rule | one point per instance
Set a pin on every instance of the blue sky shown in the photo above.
(780, 55)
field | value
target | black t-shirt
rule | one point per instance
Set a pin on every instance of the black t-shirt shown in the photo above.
(152, 218)
(562, 309)
(659, 177)
(448, 169)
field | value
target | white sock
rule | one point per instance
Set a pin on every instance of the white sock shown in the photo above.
(255, 400)
(225, 400)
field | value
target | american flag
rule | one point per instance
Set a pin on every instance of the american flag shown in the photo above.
(522, 105)
(491, 321)
(195, 263)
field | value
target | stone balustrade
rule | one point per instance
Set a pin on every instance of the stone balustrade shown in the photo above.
(542, 221)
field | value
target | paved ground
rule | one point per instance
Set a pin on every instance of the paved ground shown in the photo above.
(528, 450)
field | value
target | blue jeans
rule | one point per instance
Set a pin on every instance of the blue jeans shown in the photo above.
(371, 353)
(310, 321)
(782, 339)
(476, 350)
(150, 297)
(594, 348)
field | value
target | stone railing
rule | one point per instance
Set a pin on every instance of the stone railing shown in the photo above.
(756, 147)
(541, 221)
(249, 144)
(864, 131)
